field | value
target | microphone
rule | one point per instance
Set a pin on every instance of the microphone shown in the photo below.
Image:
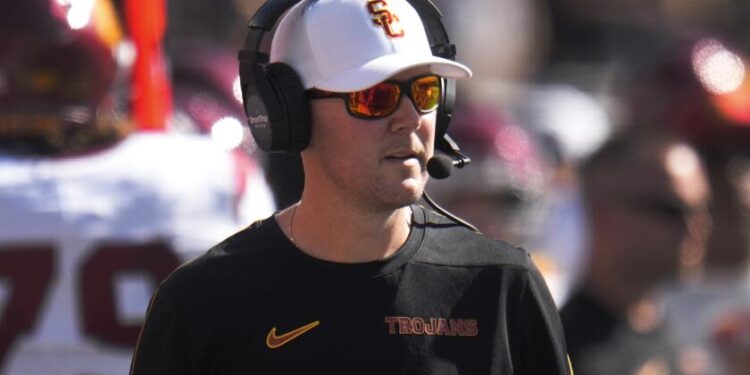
(441, 166)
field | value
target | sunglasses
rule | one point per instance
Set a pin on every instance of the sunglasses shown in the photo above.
(384, 98)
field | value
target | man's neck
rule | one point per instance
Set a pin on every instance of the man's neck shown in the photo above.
(339, 233)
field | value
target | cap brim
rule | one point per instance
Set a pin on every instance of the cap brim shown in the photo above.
(384, 67)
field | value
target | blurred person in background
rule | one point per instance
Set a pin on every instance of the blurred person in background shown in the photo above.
(646, 197)
(702, 91)
(93, 214)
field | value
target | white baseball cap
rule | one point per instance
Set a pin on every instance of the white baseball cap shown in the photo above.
(350, 45)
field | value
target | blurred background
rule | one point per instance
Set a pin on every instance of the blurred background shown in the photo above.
(609, 138)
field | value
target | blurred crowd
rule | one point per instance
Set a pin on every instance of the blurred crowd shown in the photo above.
(609, 138)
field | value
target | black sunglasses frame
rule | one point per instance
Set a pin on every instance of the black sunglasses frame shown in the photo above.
(404, 89)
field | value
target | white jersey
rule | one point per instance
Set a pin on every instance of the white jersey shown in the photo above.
(85, 240)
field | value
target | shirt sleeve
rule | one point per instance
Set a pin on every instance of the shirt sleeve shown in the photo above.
(164, 344)
(543, 349)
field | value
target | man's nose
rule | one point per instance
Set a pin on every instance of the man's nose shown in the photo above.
(406, 117)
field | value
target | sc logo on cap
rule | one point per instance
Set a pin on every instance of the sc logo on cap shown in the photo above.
(384, 18)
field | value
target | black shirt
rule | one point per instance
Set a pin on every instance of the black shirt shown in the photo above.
(603, 343)
(449, 301)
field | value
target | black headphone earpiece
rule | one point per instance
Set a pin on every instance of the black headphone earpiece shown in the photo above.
(294, 104)
(278, 113)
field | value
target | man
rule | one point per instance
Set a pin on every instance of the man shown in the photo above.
(356, 278)
(707, 318)
(93, 215)
(647, 203)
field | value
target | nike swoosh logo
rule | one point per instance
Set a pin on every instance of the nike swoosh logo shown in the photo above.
(273, 341)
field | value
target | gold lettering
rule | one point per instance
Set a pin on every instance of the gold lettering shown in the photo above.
(431, 326)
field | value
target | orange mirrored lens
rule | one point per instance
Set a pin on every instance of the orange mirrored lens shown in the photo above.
(425, 92)
(379, 100)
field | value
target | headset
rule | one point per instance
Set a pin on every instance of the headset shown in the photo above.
(278, 113)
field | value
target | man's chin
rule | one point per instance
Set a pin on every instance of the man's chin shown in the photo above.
(401, 198)
(413, 187)
(393, 193)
